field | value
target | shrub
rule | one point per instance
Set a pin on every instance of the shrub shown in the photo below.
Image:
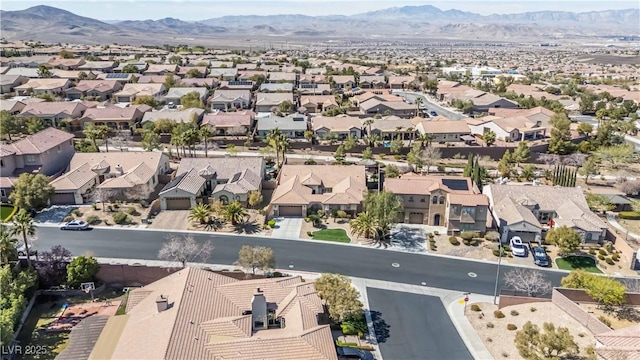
(533, 309)
(430, 235)
(492, 236)
(77, 212)
(436, 232)
(120, 218)
(466, 242)
(592, 251)
(475, 307)
(144, 203)
(131, 211)
(602, 252)
(109, 208)
(271, 223)
(514, 313)
(490, 325)
(498, 314)
(600, 256)
(93, 220)
(489, 339)
(309, 233)
(95, 206)
(454, 240)
(629, 215)
(581, 334)
(512, 327)
(604, 320)
(433, 248)
(468, 235)
(68, 218)
(609, 261)
(615, 257)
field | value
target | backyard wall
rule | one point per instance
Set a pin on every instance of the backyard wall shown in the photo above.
(574, 310)
(508, 300)
(623, 246)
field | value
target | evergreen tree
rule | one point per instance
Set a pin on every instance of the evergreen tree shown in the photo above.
(468, 169)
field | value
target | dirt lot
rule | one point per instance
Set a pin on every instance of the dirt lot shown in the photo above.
(134, 211)
(500, 341)
(616, 323)
(253, 225)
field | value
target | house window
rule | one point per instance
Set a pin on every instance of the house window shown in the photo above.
(455, 209)
(3, 193)
(31, 158)
(328, 190)
(59, 148)
(587, 236)
(1, 163)
(434, 200)
(410, 198)
(442, 199)
(471, 211)
(422, 200)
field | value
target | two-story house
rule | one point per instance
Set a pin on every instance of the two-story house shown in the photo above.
(447, 201)
(47, 152)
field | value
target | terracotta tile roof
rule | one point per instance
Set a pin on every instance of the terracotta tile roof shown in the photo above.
(190, 182)
(150, 89)
(443, 127)
(185, 115)
(39, 142)
(265, 99)
(336, 123)
(222, 119)
(115, 113)
(411, 183)
(468, 199)
(74, 179)
(43, 84)
(96, 85)
(205, 320)
(68, 108)
(621, 343)
(137, 167)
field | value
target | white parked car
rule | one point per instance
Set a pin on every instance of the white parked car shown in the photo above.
(517, 247)
(75, 225)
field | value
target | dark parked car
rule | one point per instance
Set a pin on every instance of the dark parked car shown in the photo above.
(353, 353)
(540, 256)
(433, 113)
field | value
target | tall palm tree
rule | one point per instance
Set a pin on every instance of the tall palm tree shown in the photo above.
(200, 213)
(23, 224)
(93, 132)
(284, 145)
(177, 141)
(273, 138)
(7, 246)
(418, 102)
(368, 124)
(364, 225)
(235, 213)
(425, 139)
(205, 134)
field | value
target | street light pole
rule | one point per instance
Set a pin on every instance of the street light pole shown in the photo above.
(495, 291)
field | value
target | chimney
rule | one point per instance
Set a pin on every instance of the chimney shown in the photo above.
(259, 311)
(119, 169)
(162, 302)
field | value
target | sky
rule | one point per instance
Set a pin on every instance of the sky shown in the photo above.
(205, 9)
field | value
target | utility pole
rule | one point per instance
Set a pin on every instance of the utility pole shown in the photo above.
(495, 291)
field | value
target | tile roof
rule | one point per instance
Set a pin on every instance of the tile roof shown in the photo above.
(336, 123)
(185, 115)
(348, 184)
(292, 122)
(151, 89)
(96, 85)
(206, 321)
(621, 343)
(115, 112)
(230, 95)
(230, 119)
(137, 167)
(39, 142)
(75, 179)
(443, 127)
(190, 182)
(411, 183)
(43, 84)
(68, 108)
(265, 99)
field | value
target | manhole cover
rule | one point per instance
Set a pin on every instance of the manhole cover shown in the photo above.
(423, 283)
(395, 265)
(473, 275)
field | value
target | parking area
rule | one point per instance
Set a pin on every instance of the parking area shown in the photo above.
(287, 228)
(412, 326)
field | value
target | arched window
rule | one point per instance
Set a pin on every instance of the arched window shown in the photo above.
(434, 200)
(224, 199)
(441, 199)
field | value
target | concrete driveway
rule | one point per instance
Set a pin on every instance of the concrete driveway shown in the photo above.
(287, 228)
(412, 237)
(170, 220)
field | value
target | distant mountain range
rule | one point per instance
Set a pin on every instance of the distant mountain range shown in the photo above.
(50, 24)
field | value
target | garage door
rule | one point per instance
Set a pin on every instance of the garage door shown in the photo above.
(526, 237)
(178, 204)
(289, 210)
(63, 199)
(416, 218)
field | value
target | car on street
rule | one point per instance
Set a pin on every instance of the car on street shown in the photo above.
(75, 225)
(22, 250)
(540, 256)
(517, 247)
(346, 352)
(433, 113)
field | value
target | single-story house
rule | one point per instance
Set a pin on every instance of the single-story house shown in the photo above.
(530, 211)
(14, 107)
(226, 179)
(53, 112)
(293, 126)
(444, 131)
(344, 81)
(178, 116)
(518, 128)
(43, 86)
(175, 94)
(114, 117)
(265, 102)
(342, 125)
(318, 103)
(397, 108)
(228, 74)
(230, 99)
(131, 91)
(161, 69)
(99, 89)
(229, 123)
(309, 188)
(9, 82)
(390, 127)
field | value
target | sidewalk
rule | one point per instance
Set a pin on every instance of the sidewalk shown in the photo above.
(612, 220)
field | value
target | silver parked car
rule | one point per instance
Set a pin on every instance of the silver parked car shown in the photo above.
(75, 225)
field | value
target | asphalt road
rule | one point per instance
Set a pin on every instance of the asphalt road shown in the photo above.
(411, 97)
(413, 326)
(439, 272)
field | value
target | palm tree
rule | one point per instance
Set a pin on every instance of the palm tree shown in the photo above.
(284, 145)
(273, 138)
(200, 213)
(364, 225)
(235, 213)
(418, 102)
(374, 140)
(23, 224)
(425, 139)
(368, 124)
(7, 246)
(93, 132)
(205, 134)
(177, 141)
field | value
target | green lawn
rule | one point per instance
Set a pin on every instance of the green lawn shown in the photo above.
(338, 235)
(33, 332)
(578, 262)
(5, 211)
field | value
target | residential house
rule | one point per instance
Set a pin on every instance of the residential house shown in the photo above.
(229, 123)
(155, 79)
(31, 73)
(114, 117)
(309, 78)
(517, 128)
(228, 74)
(486, 101)
(65, 64)
(130, 91)
(622, 343)
(184, 71)
(539, 113)
(46, 152)
(390, 127)
(448, 201)
(98, 66)
(73, 75)
(372, 82)
(209, 83)
(318, 103)
(230, 99)
(282, 77)
(53, 112)
(14, 107)
(397, 108)
(43, 86)
(445, 130)
(177, 116)
(530, 211)
(237, 85)
(276, 87)
(140, 66)
(108, 176)
(265, 102)
(378, 95)
(9, 82)
(175, 94)
(400, 82)
(161, 69)
(292, 126)
(198, 314)
(619, 201)
(345, 82)
(225, 179)
(122, 78)
(342, 125)
(314, 89)
(101, 90)
(303, 189)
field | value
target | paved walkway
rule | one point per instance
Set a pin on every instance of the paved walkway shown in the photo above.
(287, 228)
(612, 220)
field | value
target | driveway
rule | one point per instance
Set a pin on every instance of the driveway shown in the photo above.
(170, 220)
(54, 214)
(412, 237)
(412, 326)
(287, 228)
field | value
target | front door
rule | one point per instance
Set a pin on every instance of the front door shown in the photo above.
(436, 220)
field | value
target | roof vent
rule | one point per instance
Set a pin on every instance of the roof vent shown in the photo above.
(162, 302)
